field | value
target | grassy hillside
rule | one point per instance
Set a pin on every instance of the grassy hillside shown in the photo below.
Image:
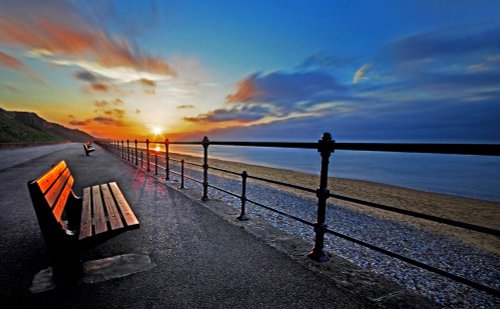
(18, 127)
(14, 131)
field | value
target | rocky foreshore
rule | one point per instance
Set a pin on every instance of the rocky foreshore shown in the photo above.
(419, 243)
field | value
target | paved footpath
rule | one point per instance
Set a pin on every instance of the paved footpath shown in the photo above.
(200, 260)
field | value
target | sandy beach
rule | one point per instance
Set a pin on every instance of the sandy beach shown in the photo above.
(479, 212)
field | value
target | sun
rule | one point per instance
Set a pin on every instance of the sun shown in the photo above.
(157, 130)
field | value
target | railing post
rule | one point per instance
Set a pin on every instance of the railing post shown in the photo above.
(142, 157)
(182, 174)
(128, 150)
(156, 162)
(147, 155)
(325, 147)
(243, 216)
(205, 142)
(136, 159)
(123, 151)
(167, 159)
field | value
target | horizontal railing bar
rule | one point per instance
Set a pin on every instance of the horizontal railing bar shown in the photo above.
(408, 260)
(268, 144)
(283, 184)
(176, 173)
(463, 225)
(223, 170)
(194, 164)
(225, 191)
(280, 212)
(193, 179)
(185, 143)
(459, 149)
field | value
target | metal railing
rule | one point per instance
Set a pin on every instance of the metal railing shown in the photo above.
(326, 146)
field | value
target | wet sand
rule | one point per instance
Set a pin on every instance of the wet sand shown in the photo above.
(479, 212)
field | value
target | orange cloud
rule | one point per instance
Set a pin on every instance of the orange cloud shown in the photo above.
(99, 120)
(102, 103)
(147, 82)
(119, 113)
(59, 39)
(246, 91)
(97, 87)
(185, 106)
(149, 85)
(108, 121)
(80, 123)
(10, 61)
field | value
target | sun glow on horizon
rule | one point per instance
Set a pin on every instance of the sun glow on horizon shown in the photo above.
(157, 130)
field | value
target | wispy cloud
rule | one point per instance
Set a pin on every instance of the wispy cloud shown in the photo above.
(96, 84)
(186, 106)
(360, 73)
(10, 61)
(85, 76)
(451, 43)
(11, 88)
(98, 88)
(148, 85)
(14, 63)
(324, 61)
(58, 32)
(108, 121)
(240, 114)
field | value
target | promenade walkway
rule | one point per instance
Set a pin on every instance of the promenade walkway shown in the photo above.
(199, 259)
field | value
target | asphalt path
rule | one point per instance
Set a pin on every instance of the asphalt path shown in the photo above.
(12, 157)
(200, 260)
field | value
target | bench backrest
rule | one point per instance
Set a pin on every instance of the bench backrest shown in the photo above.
(49, 194)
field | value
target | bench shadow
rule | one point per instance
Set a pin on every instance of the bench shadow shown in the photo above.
(95, 271)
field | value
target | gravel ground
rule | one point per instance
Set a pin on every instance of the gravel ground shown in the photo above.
(419, 244)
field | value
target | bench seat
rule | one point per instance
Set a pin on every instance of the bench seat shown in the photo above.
(71, 224)
(104, 208)
(88, 149)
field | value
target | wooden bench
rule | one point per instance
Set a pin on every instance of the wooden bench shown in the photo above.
(88, 149)
(70, 224)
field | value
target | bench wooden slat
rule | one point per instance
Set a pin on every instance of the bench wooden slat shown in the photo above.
(54, 191)
(47, 179)
(99, 217)
(61, 202)
(114, 217)
(86, 220)
(127, 213)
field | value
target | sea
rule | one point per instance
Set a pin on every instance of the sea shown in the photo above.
(468, 176)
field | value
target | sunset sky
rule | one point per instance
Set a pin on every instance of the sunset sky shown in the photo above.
(256, 70)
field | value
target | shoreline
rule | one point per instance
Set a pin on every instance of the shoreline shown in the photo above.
(473, 211)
